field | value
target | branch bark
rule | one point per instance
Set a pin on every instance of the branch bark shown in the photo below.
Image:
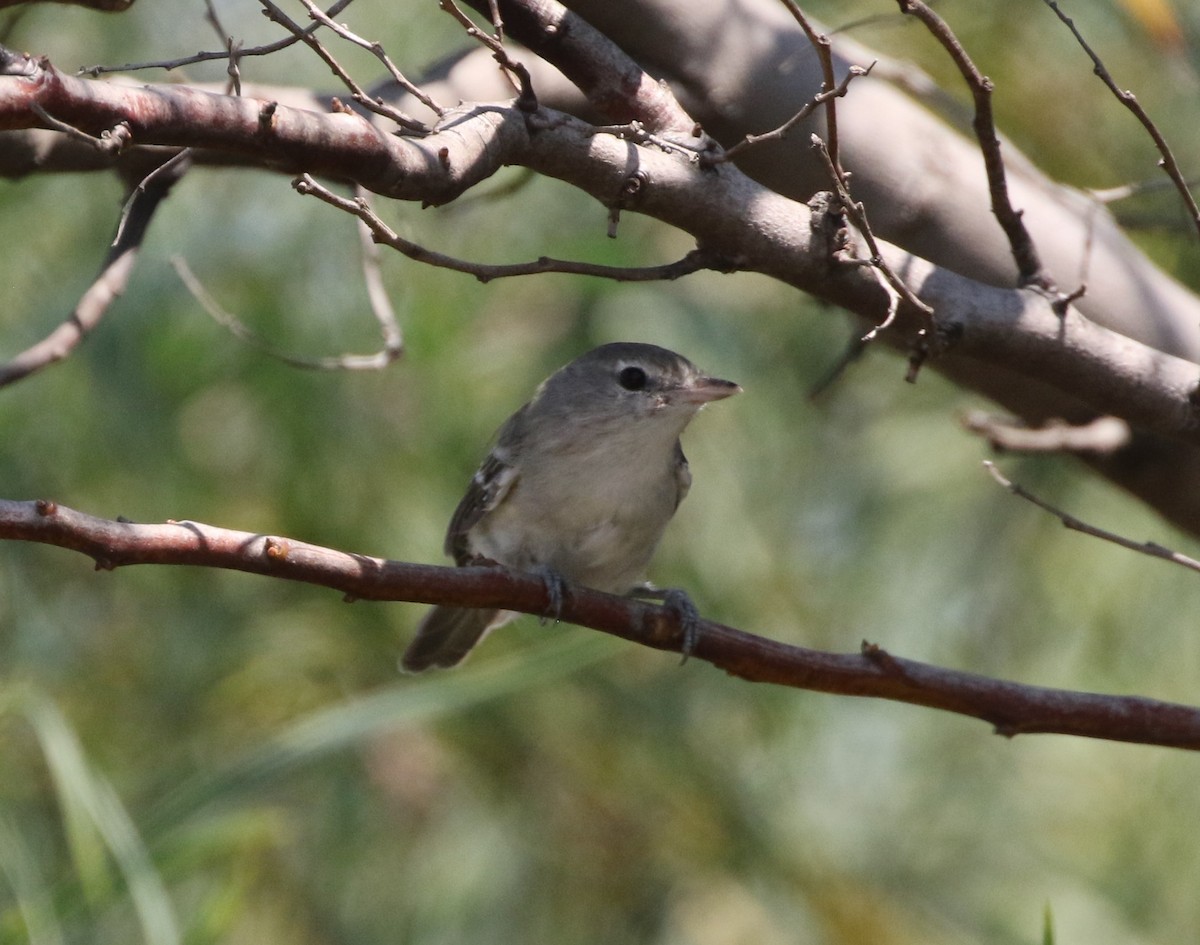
(1011, 708)
(731, 216)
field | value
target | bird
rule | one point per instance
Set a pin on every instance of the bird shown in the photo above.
(579, 486)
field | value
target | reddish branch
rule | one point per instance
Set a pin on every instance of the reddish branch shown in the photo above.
(1012, 708)
(342, 145)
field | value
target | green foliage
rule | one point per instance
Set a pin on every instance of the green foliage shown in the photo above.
(210, 757)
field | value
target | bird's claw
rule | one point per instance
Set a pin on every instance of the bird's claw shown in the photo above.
(686, 613)
(689, 620)
(556, 591)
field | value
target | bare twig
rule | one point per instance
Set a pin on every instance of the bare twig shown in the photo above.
(1129, 100)
(895, 287)
(1030, 270)
(486, 272)
(169, 64)
(111, 142)
(364, 98)
(1011, 708)
(232, 47)
(241, 331)
(113, 277)
(1150, 548)
(377, 50)
(1102, 436)
(636, 132)
(381, 303)
(824, 97)
(824, 49)
(527, 100)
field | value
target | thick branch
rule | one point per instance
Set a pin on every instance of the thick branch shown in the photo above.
(341, 145)
(612, 82)
(1012, 708)
(729, 215)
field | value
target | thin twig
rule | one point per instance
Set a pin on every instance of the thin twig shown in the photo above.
(526, 100)
(170, 64)
(896, 288)
(234, 48)
(241, 331)
(638, 133)
(381, 303)
(364, 98)
(486, 272)
(113, 277)
(1150, 548)
(824, 97)
(824, 49)
(377, 50)
(111, 142)
(1030, 270)
(1129, 100)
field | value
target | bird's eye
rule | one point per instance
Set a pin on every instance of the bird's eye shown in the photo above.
(632, 378)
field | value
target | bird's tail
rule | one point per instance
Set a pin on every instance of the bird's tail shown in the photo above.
(446, 635)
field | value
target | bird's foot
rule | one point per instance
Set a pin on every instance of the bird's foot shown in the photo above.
(556, 591)
(686, 613)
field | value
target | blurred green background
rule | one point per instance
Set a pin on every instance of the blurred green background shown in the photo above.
(199, 756)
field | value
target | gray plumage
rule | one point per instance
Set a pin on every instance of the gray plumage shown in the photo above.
(582, 482)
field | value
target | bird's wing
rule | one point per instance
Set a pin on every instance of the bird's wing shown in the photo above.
(490, 484)
(683, 474)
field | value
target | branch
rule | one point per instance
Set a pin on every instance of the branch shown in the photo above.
(612, 81)
(731, 217)
(1129, 100)
(1025, 254)
(112, 279)
(170, 64)
(1103, 435)
(1153, 549)
(825, 97)
(380, 232)
(391, 350)
(1012, 708)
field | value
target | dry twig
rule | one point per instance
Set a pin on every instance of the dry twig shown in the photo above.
(1153, 549)
(1102, 436)
(486, 272)
(1129, 100)
(1029, 265)
(824, 97)
(824, 49)
(170, 64)
(377, 50)
(113, 277)
(360, 95)
(243, 332)
(895, 287)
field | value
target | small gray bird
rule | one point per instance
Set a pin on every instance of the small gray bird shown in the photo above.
(580, 484)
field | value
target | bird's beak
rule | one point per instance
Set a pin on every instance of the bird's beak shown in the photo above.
(702, 390)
